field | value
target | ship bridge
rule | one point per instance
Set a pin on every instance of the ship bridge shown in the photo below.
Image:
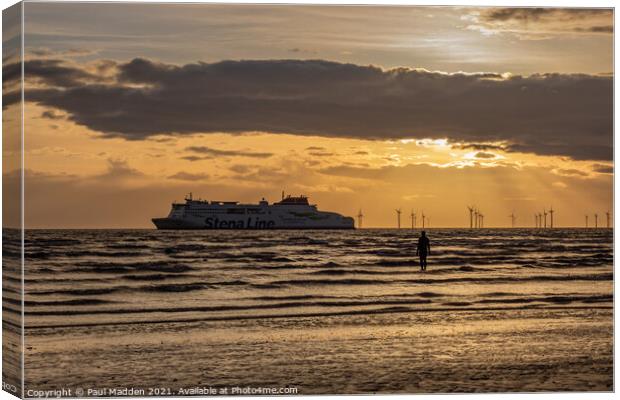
(293, 201)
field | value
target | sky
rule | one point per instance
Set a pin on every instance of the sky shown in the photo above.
(427, 109)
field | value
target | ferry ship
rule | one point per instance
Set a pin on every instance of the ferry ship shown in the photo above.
(289, 213)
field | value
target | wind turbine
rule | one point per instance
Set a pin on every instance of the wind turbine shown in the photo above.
(596, 220)
(512, 218)
(540, 220)
(481, 220)
(398, 211)
(471, 216)
(551, 212)
(545, 214)
(586, 220)
(423, 220)
(359, 219)
(536, 220)
(412, 220)
(607, 218)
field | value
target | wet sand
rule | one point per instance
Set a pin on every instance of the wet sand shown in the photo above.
(528, 350)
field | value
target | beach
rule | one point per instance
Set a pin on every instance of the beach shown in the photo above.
(321, 312)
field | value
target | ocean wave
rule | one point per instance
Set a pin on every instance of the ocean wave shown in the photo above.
(173, 288)
(101, 253)
(479, 279)
(337, 271)
(120, 267)
(396, 263)
(556, 299)
(42, 255)
(250, 257)
(51, 242)
(251, 307)
(181, 248)
(457, 303)
(299, 297)
(430, 294)
(319, 314)
(77, 292)
(317, 282)
(73, 302)
(150, 277)
(128, 246)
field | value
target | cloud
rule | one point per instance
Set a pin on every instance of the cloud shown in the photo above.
(570, 171)
(597, 29)
(54, 73)
(196, 158)
(588, 150)
(242, 169)
(603, 168)
(481, 154)
(41, 52)
(478, 146)
(51, 115)
(535, 14)
(300, 50)
(559, 185)
(46, 52)
(550, 114)
(215, 152)
(266, 174)
(188, 176)
(119, 170)
(320, 153)
(542, 23)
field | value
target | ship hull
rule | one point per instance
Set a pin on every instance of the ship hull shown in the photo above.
(242, 224)
(174, 223)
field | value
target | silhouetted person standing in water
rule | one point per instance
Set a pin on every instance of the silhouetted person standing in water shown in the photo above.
(423, 250)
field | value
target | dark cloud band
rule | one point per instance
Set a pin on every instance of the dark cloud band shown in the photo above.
(537, 13)
(554, 114)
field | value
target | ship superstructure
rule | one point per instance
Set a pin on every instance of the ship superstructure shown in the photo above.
(290, 213)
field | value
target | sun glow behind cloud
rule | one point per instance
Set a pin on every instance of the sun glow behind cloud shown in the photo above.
(338, 173)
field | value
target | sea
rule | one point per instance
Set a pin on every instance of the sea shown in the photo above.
(313, 312)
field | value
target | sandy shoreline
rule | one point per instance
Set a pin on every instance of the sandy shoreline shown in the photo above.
(462, 351)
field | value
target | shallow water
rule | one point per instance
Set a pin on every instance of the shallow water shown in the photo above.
(323, 311)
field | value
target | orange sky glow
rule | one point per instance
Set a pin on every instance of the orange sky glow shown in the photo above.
(105, 168)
